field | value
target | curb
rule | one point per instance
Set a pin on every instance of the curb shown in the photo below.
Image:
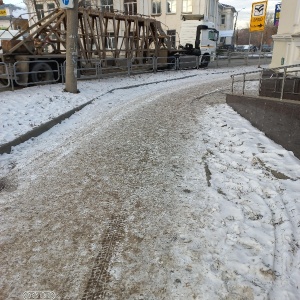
(6, 148)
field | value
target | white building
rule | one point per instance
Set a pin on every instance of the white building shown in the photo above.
(226, 20)
(171, 13)
(287, 40)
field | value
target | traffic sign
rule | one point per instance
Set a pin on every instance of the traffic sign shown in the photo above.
(66, 4)
(3, 13)
(258, 16)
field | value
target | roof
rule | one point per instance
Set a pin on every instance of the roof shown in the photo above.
(226, 6)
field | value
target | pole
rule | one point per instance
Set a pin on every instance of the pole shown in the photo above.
(234, 29)
(72, 49)
(261, 41)
(248, 48)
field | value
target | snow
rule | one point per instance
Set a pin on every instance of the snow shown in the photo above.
(247, 225)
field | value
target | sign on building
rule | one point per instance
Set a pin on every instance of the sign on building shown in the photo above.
(277, 14)
(258, 16)
(66, 4)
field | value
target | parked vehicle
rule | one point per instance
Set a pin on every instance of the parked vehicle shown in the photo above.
(246, 48)
(205, 40)
(266, 48)
(38, 53)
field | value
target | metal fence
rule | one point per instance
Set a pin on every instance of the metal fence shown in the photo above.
(278, 81)
(24, 73)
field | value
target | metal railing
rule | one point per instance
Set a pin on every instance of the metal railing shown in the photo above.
(277, 77)
(26, 73)
(4, 75)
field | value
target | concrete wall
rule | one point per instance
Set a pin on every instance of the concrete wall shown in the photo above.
(279, 120)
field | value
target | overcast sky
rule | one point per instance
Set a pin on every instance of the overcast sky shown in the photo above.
(243, 7)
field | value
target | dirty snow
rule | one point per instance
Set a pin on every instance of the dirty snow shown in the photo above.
(240, 214)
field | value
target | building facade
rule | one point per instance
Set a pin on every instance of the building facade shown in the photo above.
(287, 40)
(171, 13)
(226, 22)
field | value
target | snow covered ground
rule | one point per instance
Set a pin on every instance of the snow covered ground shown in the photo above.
(241, 209)
(27, 108)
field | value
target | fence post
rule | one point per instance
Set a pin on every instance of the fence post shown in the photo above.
(177, 63)
(260, 81)
(11, 75)
(283, 82)
(154, 64)
(244, 80)
(128, 66)
(100, 69)
(232, 83)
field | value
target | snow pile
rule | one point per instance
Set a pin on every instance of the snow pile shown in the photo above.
(249, 212)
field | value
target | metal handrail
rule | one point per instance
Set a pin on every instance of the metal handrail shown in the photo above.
(284, 70)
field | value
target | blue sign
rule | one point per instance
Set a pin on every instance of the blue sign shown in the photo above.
(277, 14)
(66, 4)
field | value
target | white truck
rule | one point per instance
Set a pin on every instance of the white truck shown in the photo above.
(200, 36)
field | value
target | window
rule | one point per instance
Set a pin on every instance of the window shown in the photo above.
(107, 5)
(40, 11)
(222, 40)
(50, 6)
(156, 7)
(130, 7)
(171, 6)
(110, 41)
(223, 17)
(172, 34)
(187, 6)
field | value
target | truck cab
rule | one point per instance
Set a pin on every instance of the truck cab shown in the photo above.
(202, 35)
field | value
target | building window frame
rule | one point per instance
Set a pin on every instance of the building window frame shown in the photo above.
(156, 7)
(171, 6)
(172, 34)
(107, 5)
(110, 41)
(40, 11)
(223, 19)
(187, 6)
(130, 7)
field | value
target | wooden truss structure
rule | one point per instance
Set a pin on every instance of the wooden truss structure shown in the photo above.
(100, 35)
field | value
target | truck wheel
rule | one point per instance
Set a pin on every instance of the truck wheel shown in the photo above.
(204, 61)
(42, 72)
